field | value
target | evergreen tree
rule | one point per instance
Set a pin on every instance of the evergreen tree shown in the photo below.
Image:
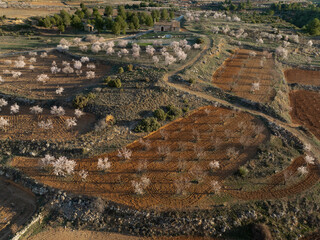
(116, 28)
(108, 11)
(164, 14)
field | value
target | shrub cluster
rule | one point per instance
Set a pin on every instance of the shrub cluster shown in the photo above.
(81, 101)
(172, 112)
(149, 124)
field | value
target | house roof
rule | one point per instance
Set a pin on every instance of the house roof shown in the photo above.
(173, 24)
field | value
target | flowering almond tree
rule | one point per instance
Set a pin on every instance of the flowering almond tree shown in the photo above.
(140, 186)
(14, 108)
(45, 124)
(104, 164)
(216, 187)
(36, 110)
(83, 174)
(59, 91)
(3, 103)
(46, 161)
(124, 153)
(3, 123)
(90, 75)
(78, 113)
(70, 122)
(63, 166)
(58, 111)
(42, 78)
(84, 59)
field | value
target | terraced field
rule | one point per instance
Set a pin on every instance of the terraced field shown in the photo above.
(175, 159)
(245, 68)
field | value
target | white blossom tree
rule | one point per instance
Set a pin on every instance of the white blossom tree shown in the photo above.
(14, 108)
(60, 90)
(216, 187)
(3, 103)
(36, 110)
(104, 164)
(42, 78)
(78, 113)
(58, 111)
(70, 123)
(63, 166)
(45, 124)
(84, 59)
(83, 174)
(46, 161)
(90, 75)
(19, 64)
(16, 74)
(3, 123)
(124, 153)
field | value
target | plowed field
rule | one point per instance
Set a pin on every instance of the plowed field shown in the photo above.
(16, 207)
(306, 109)
(239, 72)
(28, 86)
(24, 125)
(304, 77)
(177, 155)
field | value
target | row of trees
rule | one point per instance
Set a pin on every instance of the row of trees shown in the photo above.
(124, 19)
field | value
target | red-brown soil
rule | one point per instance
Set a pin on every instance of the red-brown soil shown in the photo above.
(17, 205)
(208, 123)
(277, 186)
(239, 72)
(63, 233)
(304, 77)
(306, 110)
(28, 86)
(24, 125)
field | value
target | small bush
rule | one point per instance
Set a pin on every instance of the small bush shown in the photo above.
(107, 79)
(120, 70)
(115, 83)
(148, 125)
(160, 114)
(200, 40)
(130, 67)
(173, 112)
(81, 101)
(192, 81)
(242, 171)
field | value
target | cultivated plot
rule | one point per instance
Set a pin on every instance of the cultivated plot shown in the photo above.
(40, 76)
(173, 167)
(306, 110)
(304, 77)
(248, 74)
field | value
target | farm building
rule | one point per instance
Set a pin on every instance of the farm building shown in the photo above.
(173, 26)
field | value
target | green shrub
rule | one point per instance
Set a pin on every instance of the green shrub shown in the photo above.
(160, 114)
(130, 67)
(148, 125)
(173, 112)
(107, 79)
(192, 81)
(200, 40)
(242, 171)
(81, 101)
(115, 83)
(120, 70)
